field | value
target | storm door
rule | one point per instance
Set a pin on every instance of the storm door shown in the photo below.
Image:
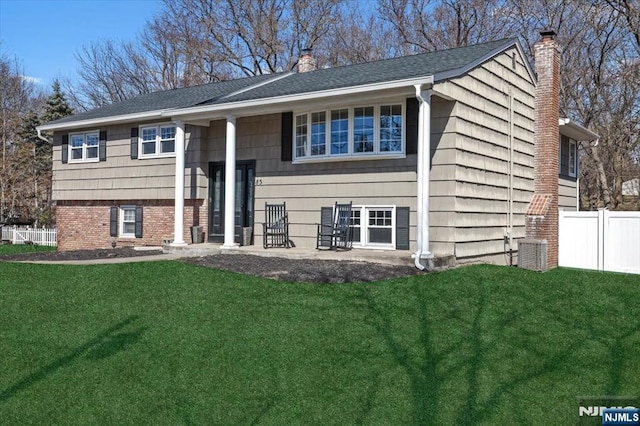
(245, 180)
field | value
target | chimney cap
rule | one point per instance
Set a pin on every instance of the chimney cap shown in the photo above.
(306, 51)
(548, 34)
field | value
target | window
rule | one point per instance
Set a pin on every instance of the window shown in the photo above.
(83, 147)
(127, 221)
(157, 141)
(572, 158)
(568, 157)
(373, 226)
(363, 131)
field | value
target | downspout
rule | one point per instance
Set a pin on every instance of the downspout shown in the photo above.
(44, 138)
(423, 172)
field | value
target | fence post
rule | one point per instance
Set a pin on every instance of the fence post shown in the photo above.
(601, 235)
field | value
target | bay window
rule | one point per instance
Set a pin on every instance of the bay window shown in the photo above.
(361, 131)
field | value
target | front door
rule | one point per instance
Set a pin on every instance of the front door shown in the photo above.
(245, 179)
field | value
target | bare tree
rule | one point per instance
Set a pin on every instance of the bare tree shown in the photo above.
(16, 94)
(427, 25)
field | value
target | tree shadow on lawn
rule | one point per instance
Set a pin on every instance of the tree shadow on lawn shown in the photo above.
(104, 345)
(472, 353)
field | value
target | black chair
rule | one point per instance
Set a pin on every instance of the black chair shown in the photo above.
(337, 234)
(275, 229)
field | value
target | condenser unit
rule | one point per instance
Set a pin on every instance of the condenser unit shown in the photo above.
(532, 254)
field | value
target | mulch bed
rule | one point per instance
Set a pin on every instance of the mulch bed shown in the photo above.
(79, 254)
(278, 268)
(303, 270)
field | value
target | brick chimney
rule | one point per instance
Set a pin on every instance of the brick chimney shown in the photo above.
(306, 62)
(542, 215)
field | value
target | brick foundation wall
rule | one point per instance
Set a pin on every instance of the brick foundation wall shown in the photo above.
(85, 224)
(547, 131)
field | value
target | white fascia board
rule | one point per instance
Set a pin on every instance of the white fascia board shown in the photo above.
(220, 109)
(116, 119)
(576, 131)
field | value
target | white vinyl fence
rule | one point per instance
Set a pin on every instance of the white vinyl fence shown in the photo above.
(603, 240)
(22, 235)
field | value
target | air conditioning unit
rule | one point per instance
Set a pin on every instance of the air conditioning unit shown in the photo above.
(532, 254)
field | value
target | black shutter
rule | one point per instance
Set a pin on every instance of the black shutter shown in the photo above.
(326, 220)
(102, 147)
(65, 149)
(564, 156)
(412, 125)
(286, 145)
(138, 221)
(113, 222)
(134, 143)
(402, 228)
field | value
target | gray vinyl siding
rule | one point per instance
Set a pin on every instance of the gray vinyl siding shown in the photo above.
(306, 188)
(479, 154)
(120, 177)
(567, 194)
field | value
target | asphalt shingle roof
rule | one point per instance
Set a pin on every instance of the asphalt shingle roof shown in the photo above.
(394, 69)
(269, 86)
(167, 99)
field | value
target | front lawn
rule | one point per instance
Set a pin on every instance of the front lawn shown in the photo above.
(171, 343)
(24, 248)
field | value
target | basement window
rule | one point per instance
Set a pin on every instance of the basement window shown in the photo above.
(374, 227)
(128, 221)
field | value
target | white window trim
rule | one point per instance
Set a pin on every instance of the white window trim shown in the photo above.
(364, 225)
(84, 158)
(350, 155)
(121, 232)
(156, 154)
(573, 151)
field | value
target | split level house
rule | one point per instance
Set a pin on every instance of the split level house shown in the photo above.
(435, 151)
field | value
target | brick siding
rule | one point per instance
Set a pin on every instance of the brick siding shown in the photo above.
(85, 224)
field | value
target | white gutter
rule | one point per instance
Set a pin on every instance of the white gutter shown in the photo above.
(423, 173)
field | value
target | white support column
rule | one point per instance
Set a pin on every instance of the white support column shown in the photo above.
(178, 225)
(230, 185)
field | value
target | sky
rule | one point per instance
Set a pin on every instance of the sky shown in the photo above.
(44, 35)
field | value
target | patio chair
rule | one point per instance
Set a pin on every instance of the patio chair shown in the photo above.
(275, 229)
(337, 234)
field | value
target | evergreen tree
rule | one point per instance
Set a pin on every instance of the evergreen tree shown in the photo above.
(57, 105)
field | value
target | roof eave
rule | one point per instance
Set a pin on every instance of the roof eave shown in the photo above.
(576, 131)
(206, 110)
(116, 119)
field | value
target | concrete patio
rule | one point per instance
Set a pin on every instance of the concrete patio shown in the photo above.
(389, 257)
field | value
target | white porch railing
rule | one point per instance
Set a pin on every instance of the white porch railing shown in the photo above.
(22, 235)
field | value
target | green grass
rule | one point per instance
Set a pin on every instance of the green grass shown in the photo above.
(171, 343)
(24, 248)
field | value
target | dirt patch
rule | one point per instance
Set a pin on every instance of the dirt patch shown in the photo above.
(303, 270)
